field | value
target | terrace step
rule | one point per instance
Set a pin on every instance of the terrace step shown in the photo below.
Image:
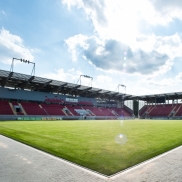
(177, 110)
(22, 109)
(12, 108)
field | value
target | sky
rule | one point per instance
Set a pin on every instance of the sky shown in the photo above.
(133, 43)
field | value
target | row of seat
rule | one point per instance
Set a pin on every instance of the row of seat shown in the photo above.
(165, 110)
(56, 109)
(5, 108)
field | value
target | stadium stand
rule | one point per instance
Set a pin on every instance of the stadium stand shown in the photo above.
(178, 111)
(121, 112)
(145, 111)
(175, 110)
(85, 103)
(5, 108)
(54, 100)
(165, 110)
(27, 95)
(155, 110)
(33, 108)
(72, 109)
(96, 111)
(16, 108)
(162, 110)
(88, 109)
(53, 109)
(106, 111)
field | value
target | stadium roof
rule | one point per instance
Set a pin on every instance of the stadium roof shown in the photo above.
(151, 98)
(34, 83)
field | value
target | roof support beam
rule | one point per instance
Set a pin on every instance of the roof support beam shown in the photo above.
(43, 85)
(22, 85)
(112, 95)
(85, 90)
(3, 83)
(74, 88)
(94, 92)
(106, 92)
(60, 87)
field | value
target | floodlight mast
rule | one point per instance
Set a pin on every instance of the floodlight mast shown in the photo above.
(121, 86)
(86, 76)
(24, 61)
(123, 96)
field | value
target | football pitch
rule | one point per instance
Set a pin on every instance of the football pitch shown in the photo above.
(105, 146)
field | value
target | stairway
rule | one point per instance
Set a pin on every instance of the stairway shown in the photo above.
(22, 109)
(12, 108)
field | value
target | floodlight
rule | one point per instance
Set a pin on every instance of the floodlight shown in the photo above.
(86, 76)
(24, 61)
(121, 86)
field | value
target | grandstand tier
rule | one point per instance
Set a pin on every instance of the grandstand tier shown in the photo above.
(5, 108)
(33, 108)
(163, 111)
(58, 110)
(53, 109)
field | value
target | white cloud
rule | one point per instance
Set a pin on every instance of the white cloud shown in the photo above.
(110, 19)
(75, 42)
(71, 75)
(163, 83)
(179, 77)
(98, 81)
(166, 11)
(113, 55)
(12, 46)
(103, 79)
(170, 45)
(121, 19)
(73, 3)
(117, 44)
(157, 85)
(104, 82)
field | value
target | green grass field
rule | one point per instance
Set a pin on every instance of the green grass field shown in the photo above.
(92, 143)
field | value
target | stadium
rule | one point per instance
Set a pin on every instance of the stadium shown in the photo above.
(90, 91)
(92, 121)
(28, 97)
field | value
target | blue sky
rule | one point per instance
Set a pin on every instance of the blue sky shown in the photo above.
(134, 43)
